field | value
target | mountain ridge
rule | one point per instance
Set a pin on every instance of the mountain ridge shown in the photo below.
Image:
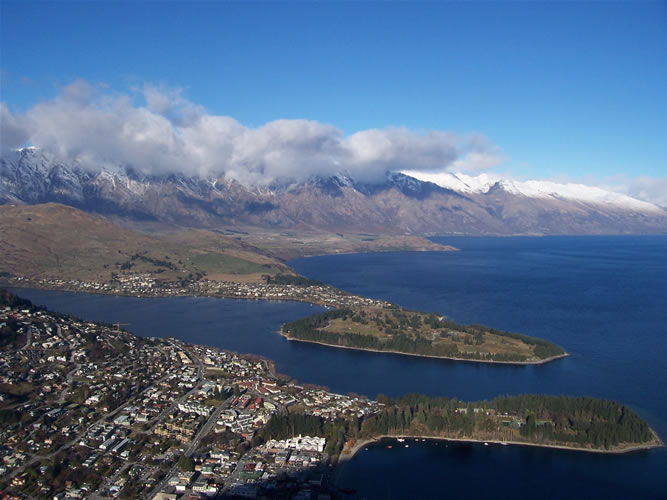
(398, 204)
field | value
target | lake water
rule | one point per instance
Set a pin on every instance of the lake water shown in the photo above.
(601, 298)
(604, 299)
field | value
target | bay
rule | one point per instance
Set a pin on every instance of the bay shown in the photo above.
(601, 298)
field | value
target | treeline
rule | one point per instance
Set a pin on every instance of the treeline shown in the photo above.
(540, 419)
(312, 329)
(581, 422)
(8, 299)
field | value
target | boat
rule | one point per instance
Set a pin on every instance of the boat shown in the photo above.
(407, 446)
(486, 444)
(389, 447)
(400, 440)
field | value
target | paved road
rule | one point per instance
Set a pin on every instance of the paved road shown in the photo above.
(68, 381)
(28, 340)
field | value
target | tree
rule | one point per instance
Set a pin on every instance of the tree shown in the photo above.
(185, 463)
(385, 400)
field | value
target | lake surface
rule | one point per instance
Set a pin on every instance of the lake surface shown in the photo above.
(604, 299)
(439, 469)
(601, 298)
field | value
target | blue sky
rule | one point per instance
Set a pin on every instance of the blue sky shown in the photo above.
(558, 90)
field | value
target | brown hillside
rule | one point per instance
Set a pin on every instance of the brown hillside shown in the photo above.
(57, 241)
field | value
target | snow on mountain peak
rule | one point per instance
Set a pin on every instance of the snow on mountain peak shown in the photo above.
(482, 183)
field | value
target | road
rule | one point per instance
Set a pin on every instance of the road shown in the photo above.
(207, 425)
(68, 381)
(28, 340)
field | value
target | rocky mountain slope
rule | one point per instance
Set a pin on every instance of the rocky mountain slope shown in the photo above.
(400, 204)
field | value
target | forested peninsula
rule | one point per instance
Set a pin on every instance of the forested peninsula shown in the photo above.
(581, 423)
(399, 330)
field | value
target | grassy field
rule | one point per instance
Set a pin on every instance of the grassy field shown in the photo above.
(219, 263)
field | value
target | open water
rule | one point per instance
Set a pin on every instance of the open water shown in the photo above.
(601, 298)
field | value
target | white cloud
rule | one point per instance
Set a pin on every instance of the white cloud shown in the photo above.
(651, 189)
(157, 130)
(476, 160)
(12, 133)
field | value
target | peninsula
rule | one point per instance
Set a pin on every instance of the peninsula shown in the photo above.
(564, 422)
(397, 330)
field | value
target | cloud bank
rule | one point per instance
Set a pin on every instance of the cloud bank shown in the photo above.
(158, 131)
(651, 189)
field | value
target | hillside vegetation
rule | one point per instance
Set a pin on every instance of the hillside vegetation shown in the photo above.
(572, 422)
(410, 332)
(579, 422)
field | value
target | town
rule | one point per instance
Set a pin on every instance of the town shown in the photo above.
(91, 411)
(146, 285)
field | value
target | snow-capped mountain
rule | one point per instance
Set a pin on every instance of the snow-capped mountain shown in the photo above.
(399, 203)
(483, 183)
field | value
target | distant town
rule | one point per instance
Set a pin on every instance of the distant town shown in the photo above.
(146, 285)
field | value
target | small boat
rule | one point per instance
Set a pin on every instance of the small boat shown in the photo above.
(365, 449)
(504, 444)
(407, 446)
(400, 440)
(486, 444)
(389, 447)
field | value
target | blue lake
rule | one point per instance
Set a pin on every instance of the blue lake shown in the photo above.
(601, 298)
(604, 299)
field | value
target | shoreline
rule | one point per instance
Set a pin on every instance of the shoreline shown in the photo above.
(342, 457)
(34, 286)
(358, 445)
(489, 361)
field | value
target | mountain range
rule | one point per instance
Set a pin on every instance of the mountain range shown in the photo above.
(400, 203)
